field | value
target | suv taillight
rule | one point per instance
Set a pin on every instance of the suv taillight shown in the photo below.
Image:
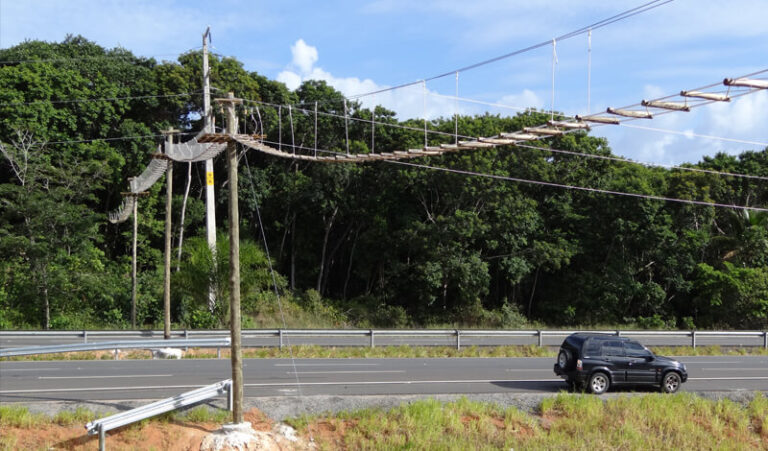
(579, 366)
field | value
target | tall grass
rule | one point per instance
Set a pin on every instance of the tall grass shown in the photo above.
(653, 421)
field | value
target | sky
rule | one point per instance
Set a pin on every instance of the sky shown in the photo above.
(362, 46)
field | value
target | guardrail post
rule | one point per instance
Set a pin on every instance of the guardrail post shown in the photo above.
(458, 339)
(618, 333)
(116, 351)
(372, 343)
(693, 339)
(541, 338)
(102, 438)
(229, 397)
(280, 334)
(765, 339)
(85, 336)
(218, 353)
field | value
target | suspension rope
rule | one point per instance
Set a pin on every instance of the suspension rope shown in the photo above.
(373, 126)
(456, 112)
(315, 128)
(589, 69)
(280, 126)
(578, 188)
(299, 391)
(346, 126)
(293, 140)
(554, 63)
(594, 26)
(424, 109)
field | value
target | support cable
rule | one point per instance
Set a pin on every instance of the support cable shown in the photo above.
(554, 64)
(277, 291)
(576, 187)
(346, 126)
(456, 112)
(589, 69)
(103, 99)
(424, 109)
(594, 26)
(293, 138)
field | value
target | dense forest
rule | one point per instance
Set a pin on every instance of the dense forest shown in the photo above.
(376, 244)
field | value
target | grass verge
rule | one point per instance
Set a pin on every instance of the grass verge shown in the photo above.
(567, 421)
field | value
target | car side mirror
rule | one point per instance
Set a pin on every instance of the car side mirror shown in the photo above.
(650, 358)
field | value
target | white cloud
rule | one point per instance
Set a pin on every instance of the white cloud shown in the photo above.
(291, 80)
(304, 56)
(409, 102)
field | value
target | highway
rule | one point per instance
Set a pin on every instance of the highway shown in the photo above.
(93, 380)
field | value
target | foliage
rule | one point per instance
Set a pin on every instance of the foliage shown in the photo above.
(369, 245)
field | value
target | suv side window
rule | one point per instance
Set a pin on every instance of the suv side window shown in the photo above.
(635, 349)
(613, 348)
(593, 348)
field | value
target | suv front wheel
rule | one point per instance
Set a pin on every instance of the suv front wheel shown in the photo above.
(671, 382)
(599, 383)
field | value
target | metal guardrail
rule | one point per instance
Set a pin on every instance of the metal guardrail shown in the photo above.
(156, 408)
(536, 336)
(116, 345)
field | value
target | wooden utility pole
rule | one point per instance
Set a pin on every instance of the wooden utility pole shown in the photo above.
(169, 193)
(234, 261)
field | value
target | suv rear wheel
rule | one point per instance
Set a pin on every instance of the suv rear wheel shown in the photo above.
(599, 383)
(670, 383)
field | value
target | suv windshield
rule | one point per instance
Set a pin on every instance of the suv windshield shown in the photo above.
(635, 349)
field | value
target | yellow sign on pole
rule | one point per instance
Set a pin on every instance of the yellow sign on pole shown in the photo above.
(209, 178)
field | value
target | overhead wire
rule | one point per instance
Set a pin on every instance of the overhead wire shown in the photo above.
(576, 187)
(120, 138)
(140, 59)
(599, 24)
(104, 99)
(573, 187)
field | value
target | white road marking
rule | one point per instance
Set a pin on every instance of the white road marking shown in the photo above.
(344, 372)
(29, 369)
(56, 390)
(328, 364)
(735, 378)
(105, 377)
(734, 369)
(273, 384)
(472, 381)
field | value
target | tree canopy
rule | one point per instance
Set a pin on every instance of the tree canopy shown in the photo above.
(378, 243)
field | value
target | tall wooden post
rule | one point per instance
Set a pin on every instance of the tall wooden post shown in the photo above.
(133, 262)
(167, 278)
(234, 262)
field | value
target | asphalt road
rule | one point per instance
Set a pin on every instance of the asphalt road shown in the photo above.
(35, 381)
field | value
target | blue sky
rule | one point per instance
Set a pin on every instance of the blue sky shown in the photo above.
(359, 46)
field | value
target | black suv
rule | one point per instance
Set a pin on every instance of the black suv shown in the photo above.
(597, 361)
